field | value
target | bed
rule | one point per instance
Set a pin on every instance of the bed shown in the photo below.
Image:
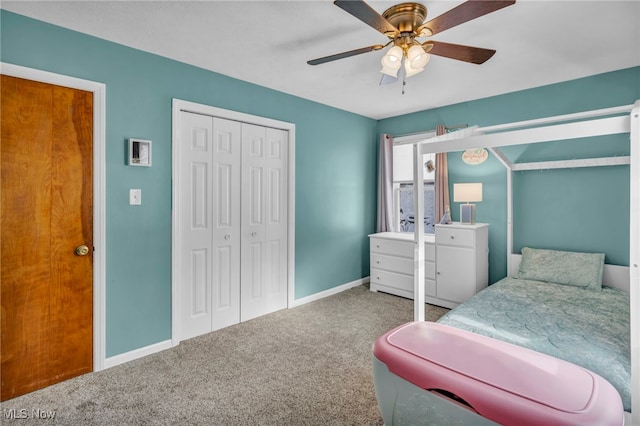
(565, 313)
(605, 337)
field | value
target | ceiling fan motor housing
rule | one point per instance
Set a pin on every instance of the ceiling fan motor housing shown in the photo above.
(406, 17)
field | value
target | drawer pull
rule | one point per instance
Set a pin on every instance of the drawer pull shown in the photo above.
(378, 262)
(453, 237)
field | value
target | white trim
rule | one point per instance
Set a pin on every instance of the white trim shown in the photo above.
(186, 106)
(559, 118)
(99, 178)
(509, 166)
(414, 138)
(634, 262)
(137, 353)
(330, 292)
(572, 164)
(418, 233)
(565, 131)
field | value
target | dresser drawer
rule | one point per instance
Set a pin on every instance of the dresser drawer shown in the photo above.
(401, 265)
(430, 288)
(430, 270)
(392, 247)
(454, 236)
(430, 252)
(392, 263)
(392, 279)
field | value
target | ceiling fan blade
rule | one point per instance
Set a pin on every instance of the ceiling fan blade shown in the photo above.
(465, 12)
(368, 15)
(345, 54)
(475, 55)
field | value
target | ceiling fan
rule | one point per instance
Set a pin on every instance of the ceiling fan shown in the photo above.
(404, 24)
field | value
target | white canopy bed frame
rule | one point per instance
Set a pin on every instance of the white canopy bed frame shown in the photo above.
(609, 121)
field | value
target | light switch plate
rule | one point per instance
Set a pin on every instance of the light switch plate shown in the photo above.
(135, 197)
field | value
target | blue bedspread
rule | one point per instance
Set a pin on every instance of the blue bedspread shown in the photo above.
(587, 328)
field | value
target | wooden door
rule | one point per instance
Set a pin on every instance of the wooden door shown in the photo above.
(46, 213)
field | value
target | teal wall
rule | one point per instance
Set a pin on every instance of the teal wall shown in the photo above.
(335, 161)
(582, 209)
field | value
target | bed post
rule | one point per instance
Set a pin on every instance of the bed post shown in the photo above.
(418, 220)
(634, 261)
(509, 167)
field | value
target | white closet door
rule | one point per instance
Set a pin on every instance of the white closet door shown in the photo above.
(264, 221)
(226, 223)
(195, 213)
(232, 209)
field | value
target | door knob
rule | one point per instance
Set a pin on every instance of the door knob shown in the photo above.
(82, 250)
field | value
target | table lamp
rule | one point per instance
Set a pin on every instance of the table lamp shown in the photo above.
(467, 193)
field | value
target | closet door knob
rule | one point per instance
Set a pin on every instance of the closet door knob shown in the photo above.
(253, 234)
(226, 237)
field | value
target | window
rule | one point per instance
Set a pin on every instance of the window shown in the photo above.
(403, 208)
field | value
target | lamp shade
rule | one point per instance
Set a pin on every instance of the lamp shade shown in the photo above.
(417, 57)
(409, 70)
(467, 192)
(392, 61)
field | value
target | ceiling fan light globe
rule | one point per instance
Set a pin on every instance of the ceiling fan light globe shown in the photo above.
(391, 63)
(417, 57)
(411, 71)
(392, 72)
(393, 57)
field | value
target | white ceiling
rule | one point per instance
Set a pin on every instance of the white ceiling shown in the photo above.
(269, 42)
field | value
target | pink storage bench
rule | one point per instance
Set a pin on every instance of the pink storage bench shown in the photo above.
(429, 373)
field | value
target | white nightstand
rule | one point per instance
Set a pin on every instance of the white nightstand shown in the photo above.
(462, 262)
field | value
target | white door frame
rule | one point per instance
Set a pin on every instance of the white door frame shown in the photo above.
(99, 109)
(196, 108)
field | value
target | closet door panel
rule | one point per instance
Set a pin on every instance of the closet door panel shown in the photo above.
(253, 267)
(232, 209)
(226, 223)
(276, 224)
(264, 210)
(195, 212)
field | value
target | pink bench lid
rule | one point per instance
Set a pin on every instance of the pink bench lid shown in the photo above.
(514, 369)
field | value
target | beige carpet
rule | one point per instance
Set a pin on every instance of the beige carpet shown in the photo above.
(305, 366)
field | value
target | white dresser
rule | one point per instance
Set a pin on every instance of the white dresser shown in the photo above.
(456, 263)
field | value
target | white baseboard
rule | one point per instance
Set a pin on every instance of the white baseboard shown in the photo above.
(167, 344)
(137, 353)
(327, 293)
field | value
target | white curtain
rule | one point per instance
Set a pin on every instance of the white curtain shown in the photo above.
(385, 184)
(442, 179)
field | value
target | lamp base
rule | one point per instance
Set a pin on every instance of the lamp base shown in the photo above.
(468, 214)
